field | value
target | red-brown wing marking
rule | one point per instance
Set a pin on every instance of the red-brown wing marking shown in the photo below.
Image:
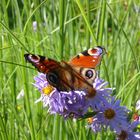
(90, 58)
(46, 66)
(42, 64)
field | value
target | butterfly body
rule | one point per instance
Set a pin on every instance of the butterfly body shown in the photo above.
(77, 74)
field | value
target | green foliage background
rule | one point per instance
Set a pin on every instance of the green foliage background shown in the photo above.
(64, 28)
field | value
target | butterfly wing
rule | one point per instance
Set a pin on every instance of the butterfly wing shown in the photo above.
(56, 74)
(90, 58)
(42, 63)
(78, 74)
(59, 74)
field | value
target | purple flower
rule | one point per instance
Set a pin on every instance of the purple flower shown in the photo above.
(71, 103)
(34, 26)
(46, 90)
(101, 96)
(94, 124)
(68, 104)
(40, 81)
(111, 115)
(76, 104)
(127, 133)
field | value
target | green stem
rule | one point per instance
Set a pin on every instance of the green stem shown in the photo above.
(27, 101)
(86, 21)
(61, 25)
(88, 18)
(101, 22)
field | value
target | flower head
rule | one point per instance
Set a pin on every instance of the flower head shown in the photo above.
(94, 124)
(71, 103)
(112, 115)
(101, 95)
(35, 25)
(68, 104)
(127, 133)
(107, 113)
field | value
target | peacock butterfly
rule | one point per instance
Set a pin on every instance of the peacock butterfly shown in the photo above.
(77, 74)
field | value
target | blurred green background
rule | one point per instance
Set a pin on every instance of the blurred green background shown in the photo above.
(59, 30)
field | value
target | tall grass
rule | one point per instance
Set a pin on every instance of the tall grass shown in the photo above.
(64, 28)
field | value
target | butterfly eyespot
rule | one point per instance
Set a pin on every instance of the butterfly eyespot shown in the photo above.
(34, 58)
(89, 74)
(52, 78)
